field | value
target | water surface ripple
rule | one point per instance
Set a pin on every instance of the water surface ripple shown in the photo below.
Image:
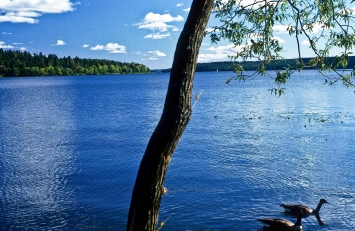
(70, 148)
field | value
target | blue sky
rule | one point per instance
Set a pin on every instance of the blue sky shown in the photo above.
(138, 31)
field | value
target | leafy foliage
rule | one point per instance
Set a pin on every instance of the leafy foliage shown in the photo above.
(17, 63)
(250, 26)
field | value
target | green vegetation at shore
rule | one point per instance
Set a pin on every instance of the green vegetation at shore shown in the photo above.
(253, 65)
(18, 63)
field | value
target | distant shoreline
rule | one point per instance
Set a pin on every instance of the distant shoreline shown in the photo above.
(22, 64)
(252, 65)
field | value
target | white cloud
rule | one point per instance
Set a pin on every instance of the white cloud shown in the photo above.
(86, 45)
(4, 46)
(179, 4)
(151, 18)
(228, 49)
(113, 48)
(12, 17)
(187, 9)
(154, 55)
(280, 29)
(222, 53)
(59, 43)
(259, 36)
(160, 26)
(27, 11)
(210, 29)
(280, 40)
(210, 57)
(6, 33)
(159, 22)
(305, 42)
(97, 48)
(218, 53)
(157, 36)
(316, 28)
(117, 51)
(157, 53)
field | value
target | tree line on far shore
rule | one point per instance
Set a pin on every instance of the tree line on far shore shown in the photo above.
(253, 65)
(15, 63)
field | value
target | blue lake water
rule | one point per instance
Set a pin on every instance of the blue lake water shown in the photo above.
(70, 148)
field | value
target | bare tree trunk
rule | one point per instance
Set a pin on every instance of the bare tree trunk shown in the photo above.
(147, 192)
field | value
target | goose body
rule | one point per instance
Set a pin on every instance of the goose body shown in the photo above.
(283, 224)
(294, 208)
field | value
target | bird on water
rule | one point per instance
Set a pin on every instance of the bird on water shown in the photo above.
(294, 208)
(283, 224)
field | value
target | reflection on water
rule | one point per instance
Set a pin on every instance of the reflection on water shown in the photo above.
(71, 146)
(37, 158)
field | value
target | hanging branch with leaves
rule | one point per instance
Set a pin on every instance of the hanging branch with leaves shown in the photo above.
(250, 26)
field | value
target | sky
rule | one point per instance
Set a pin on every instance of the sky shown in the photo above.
(137, 31)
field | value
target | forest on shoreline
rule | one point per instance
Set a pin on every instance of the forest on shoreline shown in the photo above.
(253, 65)
(14, 63)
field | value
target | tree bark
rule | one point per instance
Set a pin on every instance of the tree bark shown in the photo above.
(148, 188)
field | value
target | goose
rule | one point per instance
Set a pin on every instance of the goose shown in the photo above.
(282, 224)
(306, 210)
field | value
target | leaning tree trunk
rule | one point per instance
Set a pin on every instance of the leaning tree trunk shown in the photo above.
(147, 192)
